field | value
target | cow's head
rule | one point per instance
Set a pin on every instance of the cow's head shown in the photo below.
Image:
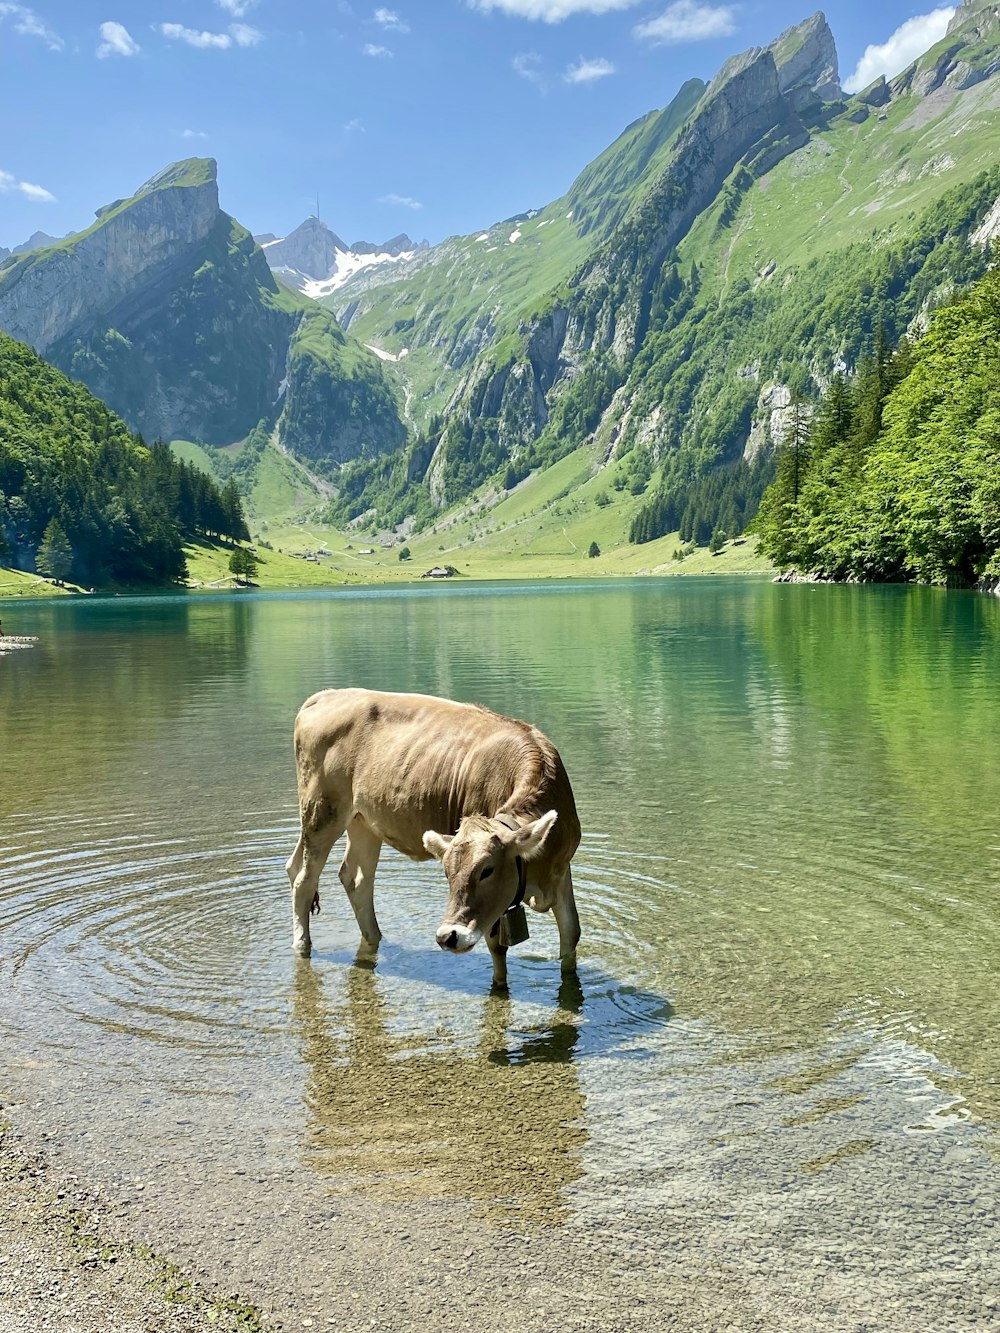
(480, 861)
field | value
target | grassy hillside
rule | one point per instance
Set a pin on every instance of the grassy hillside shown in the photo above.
(471, 291)
(675, 341)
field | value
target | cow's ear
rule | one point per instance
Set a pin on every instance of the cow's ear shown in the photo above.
(437, 843)
(531, 838)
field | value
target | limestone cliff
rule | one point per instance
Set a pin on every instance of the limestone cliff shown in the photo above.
(806, 59)
(61, 290)
(974, 14)
(743, 124)
(165, 307)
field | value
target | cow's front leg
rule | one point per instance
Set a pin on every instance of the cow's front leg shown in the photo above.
(565, 913)
(499, 954)
(357, 874)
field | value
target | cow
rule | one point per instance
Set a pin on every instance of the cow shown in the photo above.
(486, 795)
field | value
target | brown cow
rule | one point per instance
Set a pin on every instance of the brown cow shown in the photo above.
(431, 777)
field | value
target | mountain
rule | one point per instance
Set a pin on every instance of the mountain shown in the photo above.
(80, 496)
(37, 241)
(724, 256)
(313, 259)
(166, 309)
(454, 301)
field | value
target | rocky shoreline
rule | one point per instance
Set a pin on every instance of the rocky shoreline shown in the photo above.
(64, 1267)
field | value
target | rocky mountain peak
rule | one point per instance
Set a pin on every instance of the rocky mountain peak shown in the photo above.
(806, 59)
(311, 249)
(974, 13)
(193, 171)
(395, 246)
(36, 241)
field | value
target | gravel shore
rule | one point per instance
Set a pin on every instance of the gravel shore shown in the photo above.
(63, 1268)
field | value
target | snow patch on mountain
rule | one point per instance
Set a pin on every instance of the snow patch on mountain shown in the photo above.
(314, 260)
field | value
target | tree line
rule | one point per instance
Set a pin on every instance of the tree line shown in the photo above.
(81, 497)
(898, 476)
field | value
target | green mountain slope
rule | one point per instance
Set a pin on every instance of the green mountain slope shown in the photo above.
(470, 292)
(166, 308)
(80, 496)
(757, 254)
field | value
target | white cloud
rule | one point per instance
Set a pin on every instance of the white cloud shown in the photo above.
(36, 192)
(400, 201)
(354, 126)
(244, 35)
(589, 71)
(528, 64)
(390, 20)
(193, 134)
(28, 24)
(236, 7)
(176, 32)
(9, 183)
(239, 34)
(908, 42)
(376, 52)
(116, 41)
(550, 11)
(688, 21)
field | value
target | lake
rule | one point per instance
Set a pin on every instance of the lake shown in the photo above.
(771, 1100)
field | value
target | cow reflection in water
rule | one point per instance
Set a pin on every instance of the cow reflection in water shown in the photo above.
(416, 1116)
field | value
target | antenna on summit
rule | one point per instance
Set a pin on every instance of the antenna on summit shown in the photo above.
(317, 207)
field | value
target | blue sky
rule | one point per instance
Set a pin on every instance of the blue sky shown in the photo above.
(426, 116)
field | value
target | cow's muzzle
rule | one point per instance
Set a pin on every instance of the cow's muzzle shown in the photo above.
(457, 939)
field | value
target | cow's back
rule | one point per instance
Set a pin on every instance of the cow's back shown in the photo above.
(411, 762)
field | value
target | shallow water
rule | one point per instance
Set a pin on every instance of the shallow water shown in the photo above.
(779, 1064)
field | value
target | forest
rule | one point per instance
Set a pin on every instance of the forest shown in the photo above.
(896, 477)
(82, 498)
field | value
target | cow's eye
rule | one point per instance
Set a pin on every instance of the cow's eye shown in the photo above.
(486, 872)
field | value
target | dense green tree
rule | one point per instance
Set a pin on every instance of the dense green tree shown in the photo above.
(903, 479)
(55, 555)
(243, 564)
(593, 551)
(234, 524)
(124, 508)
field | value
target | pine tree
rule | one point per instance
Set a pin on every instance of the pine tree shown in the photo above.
(232, 520)
(55, 555)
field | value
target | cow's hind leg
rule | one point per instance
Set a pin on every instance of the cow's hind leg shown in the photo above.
(320, 830)
(357, 874)
(564, 911)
